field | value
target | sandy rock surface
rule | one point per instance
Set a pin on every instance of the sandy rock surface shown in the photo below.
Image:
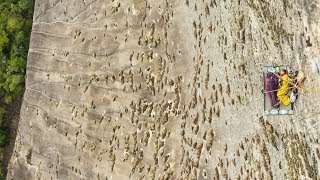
(170, 89)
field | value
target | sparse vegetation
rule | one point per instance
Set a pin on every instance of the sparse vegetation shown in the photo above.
(15, 28)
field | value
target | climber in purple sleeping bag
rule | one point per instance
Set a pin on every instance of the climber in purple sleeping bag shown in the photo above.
(271, 88)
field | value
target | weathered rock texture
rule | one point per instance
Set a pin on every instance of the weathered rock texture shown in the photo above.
(158, 89)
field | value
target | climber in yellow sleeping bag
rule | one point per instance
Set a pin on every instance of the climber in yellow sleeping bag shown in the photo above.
(283, 91)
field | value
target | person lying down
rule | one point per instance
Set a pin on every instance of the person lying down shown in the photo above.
(283, 91)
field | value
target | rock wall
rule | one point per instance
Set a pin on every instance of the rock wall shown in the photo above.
(170, 89)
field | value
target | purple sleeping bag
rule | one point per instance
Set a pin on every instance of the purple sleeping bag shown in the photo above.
(271, 88)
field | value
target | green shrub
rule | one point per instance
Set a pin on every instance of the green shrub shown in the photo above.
(3, 138)
(2, 113)
(2, 172)
(15, 28)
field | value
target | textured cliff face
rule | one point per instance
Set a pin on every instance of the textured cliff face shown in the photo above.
(160, 89)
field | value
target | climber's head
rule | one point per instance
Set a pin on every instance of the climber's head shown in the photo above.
(283, 72)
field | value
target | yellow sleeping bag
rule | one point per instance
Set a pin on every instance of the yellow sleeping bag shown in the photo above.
(284, 90)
